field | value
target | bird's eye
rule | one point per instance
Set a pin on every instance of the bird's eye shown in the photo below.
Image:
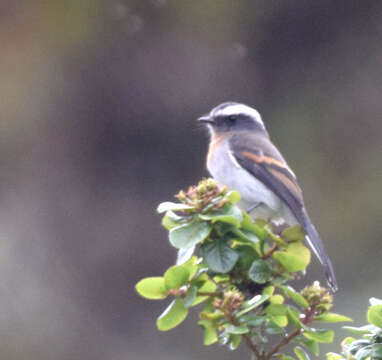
(232, 119)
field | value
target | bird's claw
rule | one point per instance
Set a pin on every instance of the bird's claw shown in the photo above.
(253, 207)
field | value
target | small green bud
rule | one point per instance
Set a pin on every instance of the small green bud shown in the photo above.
(181, 196)
(318, 298)
(205, 196)
(232, 300)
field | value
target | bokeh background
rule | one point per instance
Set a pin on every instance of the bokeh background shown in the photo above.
(98, 101)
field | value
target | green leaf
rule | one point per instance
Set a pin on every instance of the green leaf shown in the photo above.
(260, 272)
(215, 316)
(238, 330)
(218, 256)
(192, 266)
(221, 278)
(175, 277)
(228, 214)
(190, 296)
(311, 345)
(363, 353)
(332, 317)
(209, 307)
(293, 233)
(301, 354)
(334, 356)
(188, 235)
(172, 316)
(322, 336)
(285, 357)
(247, 256)
(295, 258)
(208, 286)
(295, 296)
(269, 290)
(253, 303)
(210, 333)
(200, 276)
(294, 317)
(249, 225)
(235, 341)
(171, 220)
(362, 330)
(369, 352)
(374, 315)
(233, 196)
(377, 351)
(280, 320)
(247, 236)
(357, 345)
(276, 309)
(252, 320)
(348, 340)
(170, 206)
(250, 236)
(277, 299)
(152, 288)
(272, 328)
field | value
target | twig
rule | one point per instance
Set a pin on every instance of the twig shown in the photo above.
(284, 341)
(209, 293)
(252, 346)
(271, 251)
(247, 338)
(309, 315)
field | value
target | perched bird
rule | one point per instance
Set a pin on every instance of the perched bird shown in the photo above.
(242, 157)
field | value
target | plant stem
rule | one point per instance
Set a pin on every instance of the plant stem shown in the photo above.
(284, 341)
(277, 239)
(309, 315)
(270, 251)
(209, 293)
(247, 338)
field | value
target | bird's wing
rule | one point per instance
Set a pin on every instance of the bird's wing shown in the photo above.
(260, 157)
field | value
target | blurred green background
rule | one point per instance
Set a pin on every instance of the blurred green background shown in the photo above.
(98, 101)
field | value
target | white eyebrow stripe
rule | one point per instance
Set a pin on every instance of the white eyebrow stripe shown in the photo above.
(240, 109)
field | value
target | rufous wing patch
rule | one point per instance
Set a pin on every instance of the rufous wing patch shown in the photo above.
(267, 160)
(287, 182)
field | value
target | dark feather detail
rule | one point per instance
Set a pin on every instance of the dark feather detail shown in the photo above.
(264, 162)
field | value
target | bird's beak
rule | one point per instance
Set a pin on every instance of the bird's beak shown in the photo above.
(206, 119)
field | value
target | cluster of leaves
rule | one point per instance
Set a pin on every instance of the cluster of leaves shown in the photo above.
(369, 346)
(239, 269)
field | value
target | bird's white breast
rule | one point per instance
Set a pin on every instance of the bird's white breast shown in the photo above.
(225, 169)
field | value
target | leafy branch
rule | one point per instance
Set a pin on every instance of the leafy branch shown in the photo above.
(369, 346)
(240, 270)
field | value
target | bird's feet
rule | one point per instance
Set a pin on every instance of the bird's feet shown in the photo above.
(253, 207)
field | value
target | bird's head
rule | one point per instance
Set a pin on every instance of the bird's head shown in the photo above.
(232, 117)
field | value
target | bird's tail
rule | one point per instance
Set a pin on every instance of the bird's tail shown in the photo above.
(317, 246)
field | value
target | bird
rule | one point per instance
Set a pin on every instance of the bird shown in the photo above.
(242, 156)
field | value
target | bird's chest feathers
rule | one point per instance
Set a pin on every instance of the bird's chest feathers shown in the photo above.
(214, 144)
